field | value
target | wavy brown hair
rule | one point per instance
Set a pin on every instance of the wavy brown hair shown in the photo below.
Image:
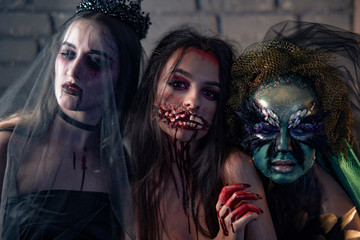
(151, 148)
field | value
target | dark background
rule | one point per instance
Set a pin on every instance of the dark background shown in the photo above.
(25, 25)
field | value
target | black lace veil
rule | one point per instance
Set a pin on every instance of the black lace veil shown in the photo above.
(52, 188)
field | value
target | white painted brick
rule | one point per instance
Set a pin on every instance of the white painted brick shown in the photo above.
(236, 5)
(19, 50)
(246, 29)
(23, 24)
(163, 23)
(335, 19)
(12, 4)
(161, 6)
(302, 5)
(55, 5)
(9, 74)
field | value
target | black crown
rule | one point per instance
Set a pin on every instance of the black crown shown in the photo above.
(129, 13)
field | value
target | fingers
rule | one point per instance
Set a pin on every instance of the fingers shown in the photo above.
(227, 191)
(240, 224)
(232, 211)
(243, 209)
(237, 197)
(239, 218)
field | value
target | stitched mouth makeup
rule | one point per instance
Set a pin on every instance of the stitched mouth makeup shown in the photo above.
(180, 118)
(71, 89)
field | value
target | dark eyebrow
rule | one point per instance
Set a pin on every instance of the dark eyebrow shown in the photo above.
(97, 52)
(69, 44)
(189, 75)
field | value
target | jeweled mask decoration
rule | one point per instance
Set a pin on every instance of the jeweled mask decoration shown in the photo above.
(263, 62)
(284, 128)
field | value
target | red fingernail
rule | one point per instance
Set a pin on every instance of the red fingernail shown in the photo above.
(220, 209)
(232, 226)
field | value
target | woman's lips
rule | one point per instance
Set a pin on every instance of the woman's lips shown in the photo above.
(283, 166)
(72, 89)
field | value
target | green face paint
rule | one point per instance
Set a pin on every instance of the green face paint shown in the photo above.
(284, 104)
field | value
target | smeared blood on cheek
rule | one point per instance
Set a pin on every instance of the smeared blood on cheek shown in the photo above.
(207, 56)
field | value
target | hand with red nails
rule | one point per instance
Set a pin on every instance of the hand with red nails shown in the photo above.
(234, 209)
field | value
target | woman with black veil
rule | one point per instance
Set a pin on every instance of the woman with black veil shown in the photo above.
(63, 168)
(294, 106)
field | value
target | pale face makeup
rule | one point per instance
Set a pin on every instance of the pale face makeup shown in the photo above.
(86, 69)
(187, 94)
(287, 111)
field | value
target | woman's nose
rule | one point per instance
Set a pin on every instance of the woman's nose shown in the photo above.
(192, 100)
(76, 69)
(283, 143)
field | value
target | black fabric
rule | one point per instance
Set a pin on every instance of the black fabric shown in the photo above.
(62, 214)
(50, 161)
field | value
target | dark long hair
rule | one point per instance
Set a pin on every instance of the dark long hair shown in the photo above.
(33, 100)
(44, 109)
(151, 149)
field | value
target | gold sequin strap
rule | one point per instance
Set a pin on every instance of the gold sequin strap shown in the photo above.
(346, 219)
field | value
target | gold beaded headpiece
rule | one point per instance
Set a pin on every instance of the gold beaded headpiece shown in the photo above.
(262, 62)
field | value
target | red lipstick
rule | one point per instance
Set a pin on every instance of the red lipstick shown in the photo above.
(71, 89)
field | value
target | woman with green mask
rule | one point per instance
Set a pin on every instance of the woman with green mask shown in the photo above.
(293, 106)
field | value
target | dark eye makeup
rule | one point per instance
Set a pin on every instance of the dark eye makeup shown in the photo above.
(210, 94)
(178, 82)
(94, 61)
(68, 54)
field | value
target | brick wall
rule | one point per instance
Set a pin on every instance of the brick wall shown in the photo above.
(25, 25)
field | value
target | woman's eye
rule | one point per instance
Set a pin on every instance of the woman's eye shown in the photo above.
(304, 130)
(97, 63)
(210, 95)
(265, 130)
(68, 54)
(178, 85)
(269, 131)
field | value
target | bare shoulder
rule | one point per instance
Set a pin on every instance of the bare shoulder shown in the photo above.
(239, 167)
(238, 158)
(332, 193)
(4, 139)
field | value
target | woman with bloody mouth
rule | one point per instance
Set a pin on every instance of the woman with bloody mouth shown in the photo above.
(294, 102)
(63, 169)
(180, 146)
